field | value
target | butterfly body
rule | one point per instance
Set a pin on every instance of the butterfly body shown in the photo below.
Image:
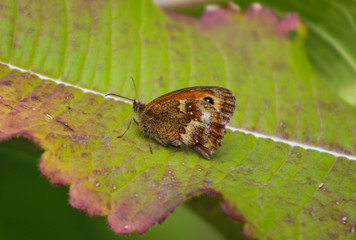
(195, 117)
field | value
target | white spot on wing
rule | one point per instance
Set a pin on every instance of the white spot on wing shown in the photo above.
(205, 117)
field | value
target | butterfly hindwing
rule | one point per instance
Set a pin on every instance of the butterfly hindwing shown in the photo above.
(204, 132)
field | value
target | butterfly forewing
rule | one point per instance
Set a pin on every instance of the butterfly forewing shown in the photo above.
(194, 116)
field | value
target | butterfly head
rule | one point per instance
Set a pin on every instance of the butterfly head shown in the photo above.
(137, 106)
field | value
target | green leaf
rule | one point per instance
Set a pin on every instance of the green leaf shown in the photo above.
(33, 202)
(330, 42)
(279, 189)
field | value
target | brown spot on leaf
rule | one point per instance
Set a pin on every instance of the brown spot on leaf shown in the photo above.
(341, 149)
(65, 125)
(7, 82)
(333, 236)
(285, 136)
(36, 98)
(23, 75)
(6, 105)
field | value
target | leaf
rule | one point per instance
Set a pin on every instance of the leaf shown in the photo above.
(34, 202)
(280, 190)
(329, 46)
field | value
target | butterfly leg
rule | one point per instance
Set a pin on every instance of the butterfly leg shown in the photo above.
(149, 144)
(203, 151)
(149, 138)
(127, 128)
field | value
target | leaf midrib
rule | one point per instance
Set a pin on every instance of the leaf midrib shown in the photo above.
(255, 134)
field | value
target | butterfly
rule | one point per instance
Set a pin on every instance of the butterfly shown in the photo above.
(194, 116)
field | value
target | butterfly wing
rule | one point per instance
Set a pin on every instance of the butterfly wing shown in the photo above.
(223, 99)
(194, 116)
(206, 128)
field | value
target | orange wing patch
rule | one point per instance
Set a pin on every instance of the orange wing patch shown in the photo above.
(192, 93)
(179, 95)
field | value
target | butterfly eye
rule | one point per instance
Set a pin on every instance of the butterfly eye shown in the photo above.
(209, 100)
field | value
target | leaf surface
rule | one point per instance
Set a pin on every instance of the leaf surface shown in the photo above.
(330, 42)
(281, 191)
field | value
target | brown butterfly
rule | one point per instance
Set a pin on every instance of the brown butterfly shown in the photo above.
(194, 116)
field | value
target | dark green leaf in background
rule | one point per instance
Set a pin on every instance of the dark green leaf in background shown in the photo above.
(330, 41)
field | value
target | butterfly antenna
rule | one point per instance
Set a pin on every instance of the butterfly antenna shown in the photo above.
(133, 81)
(113, 94)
